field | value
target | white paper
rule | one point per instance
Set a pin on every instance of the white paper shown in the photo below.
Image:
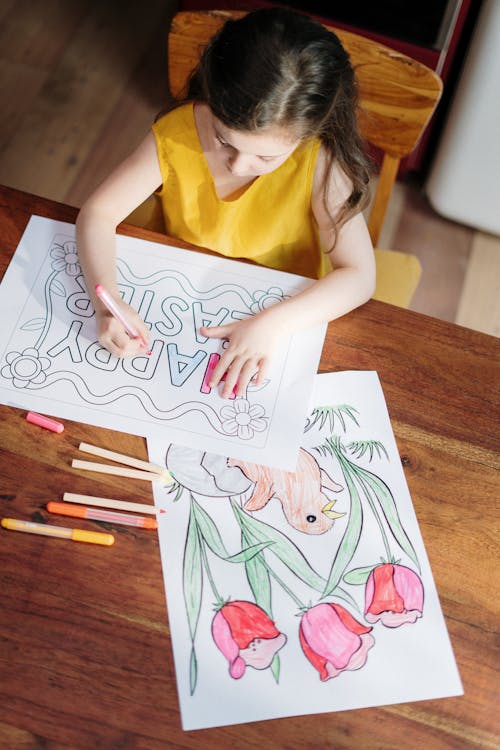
(405, 656)
(51, 361)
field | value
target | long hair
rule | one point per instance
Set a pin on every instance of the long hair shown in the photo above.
(277, 67)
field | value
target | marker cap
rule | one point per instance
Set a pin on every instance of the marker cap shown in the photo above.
(92, 537)
(149, 523)
(65, 509)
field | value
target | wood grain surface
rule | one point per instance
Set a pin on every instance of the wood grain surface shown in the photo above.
(85, 655)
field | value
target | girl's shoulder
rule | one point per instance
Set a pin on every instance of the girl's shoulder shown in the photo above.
(331, 186)
(179, 119)
(329, 175)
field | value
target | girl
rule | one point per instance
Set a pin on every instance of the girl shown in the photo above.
(264, 161)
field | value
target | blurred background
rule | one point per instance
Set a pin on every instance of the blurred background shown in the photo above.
(82, 80)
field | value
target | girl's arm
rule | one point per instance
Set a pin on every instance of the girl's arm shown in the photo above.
(125, 188)
(253, 341)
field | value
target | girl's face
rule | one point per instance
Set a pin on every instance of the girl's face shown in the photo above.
(250, 154)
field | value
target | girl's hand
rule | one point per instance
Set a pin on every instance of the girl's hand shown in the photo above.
(252, 343)
(114, 337)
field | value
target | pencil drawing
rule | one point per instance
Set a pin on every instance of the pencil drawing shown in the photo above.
(49, 350)
(338, 601)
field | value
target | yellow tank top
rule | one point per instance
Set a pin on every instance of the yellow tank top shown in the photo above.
(270, 222)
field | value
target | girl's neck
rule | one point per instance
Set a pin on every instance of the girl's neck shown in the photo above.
(227, 185)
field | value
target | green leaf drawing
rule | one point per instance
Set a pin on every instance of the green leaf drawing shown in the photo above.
(276, 667)
(384, 497)
(193, 586)
(178, 489)
(192, 574)
(376, 493)
(208, 530)
(260, 583)
(331, 413)
(350, 539)
(248, 553)
(359, 447)
(358, 576)
(193, 671)
(209, 533)
(284, 549)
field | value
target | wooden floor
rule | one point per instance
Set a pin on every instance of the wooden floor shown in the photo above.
(81, 81)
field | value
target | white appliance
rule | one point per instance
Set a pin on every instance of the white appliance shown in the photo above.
(464, 181)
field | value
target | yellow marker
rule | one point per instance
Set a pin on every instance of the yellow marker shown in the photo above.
(76, 535)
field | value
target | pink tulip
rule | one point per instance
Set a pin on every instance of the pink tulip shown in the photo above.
(246, 636)
(394, 595)
(333, 640)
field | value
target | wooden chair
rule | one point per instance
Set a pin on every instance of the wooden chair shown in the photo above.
(397, 96)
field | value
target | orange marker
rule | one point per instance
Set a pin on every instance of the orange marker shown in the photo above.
(96, 514)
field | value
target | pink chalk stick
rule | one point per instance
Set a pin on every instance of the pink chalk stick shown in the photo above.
(45, 422)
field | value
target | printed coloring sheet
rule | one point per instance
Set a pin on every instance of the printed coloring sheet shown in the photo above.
(306, 592)
(51, 361)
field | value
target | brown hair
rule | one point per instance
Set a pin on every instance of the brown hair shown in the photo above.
(278, 67)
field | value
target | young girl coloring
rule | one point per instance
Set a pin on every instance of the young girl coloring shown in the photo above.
(262, 161)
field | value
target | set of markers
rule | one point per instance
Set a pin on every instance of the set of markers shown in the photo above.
(105, 509)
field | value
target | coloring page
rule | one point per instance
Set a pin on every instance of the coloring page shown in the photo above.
(304, 592)
(52, 362)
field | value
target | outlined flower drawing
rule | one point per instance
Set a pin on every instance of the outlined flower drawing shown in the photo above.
(263, 299)
(65, 258)
(243, 419)
(26, 368)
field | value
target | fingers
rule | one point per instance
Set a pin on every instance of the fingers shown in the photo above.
(237, 375)
(233, 380)
(249, 370)
(144, 337)
(122, 348)
(262, 372)
(216, 332)
(116, 340)
(244, 359)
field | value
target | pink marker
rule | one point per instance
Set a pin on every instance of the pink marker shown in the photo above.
(45, 422)
(113, 308)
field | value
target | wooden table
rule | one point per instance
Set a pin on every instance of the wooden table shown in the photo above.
(85, 658)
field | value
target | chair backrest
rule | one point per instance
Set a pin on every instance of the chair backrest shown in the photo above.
(397, 94)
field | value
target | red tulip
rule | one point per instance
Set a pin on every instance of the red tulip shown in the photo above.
(246, 636)
(394, 595)
(333, 640)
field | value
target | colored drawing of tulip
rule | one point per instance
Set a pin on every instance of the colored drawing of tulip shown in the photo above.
(394, 595)
(246, 636)
(333, 640)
